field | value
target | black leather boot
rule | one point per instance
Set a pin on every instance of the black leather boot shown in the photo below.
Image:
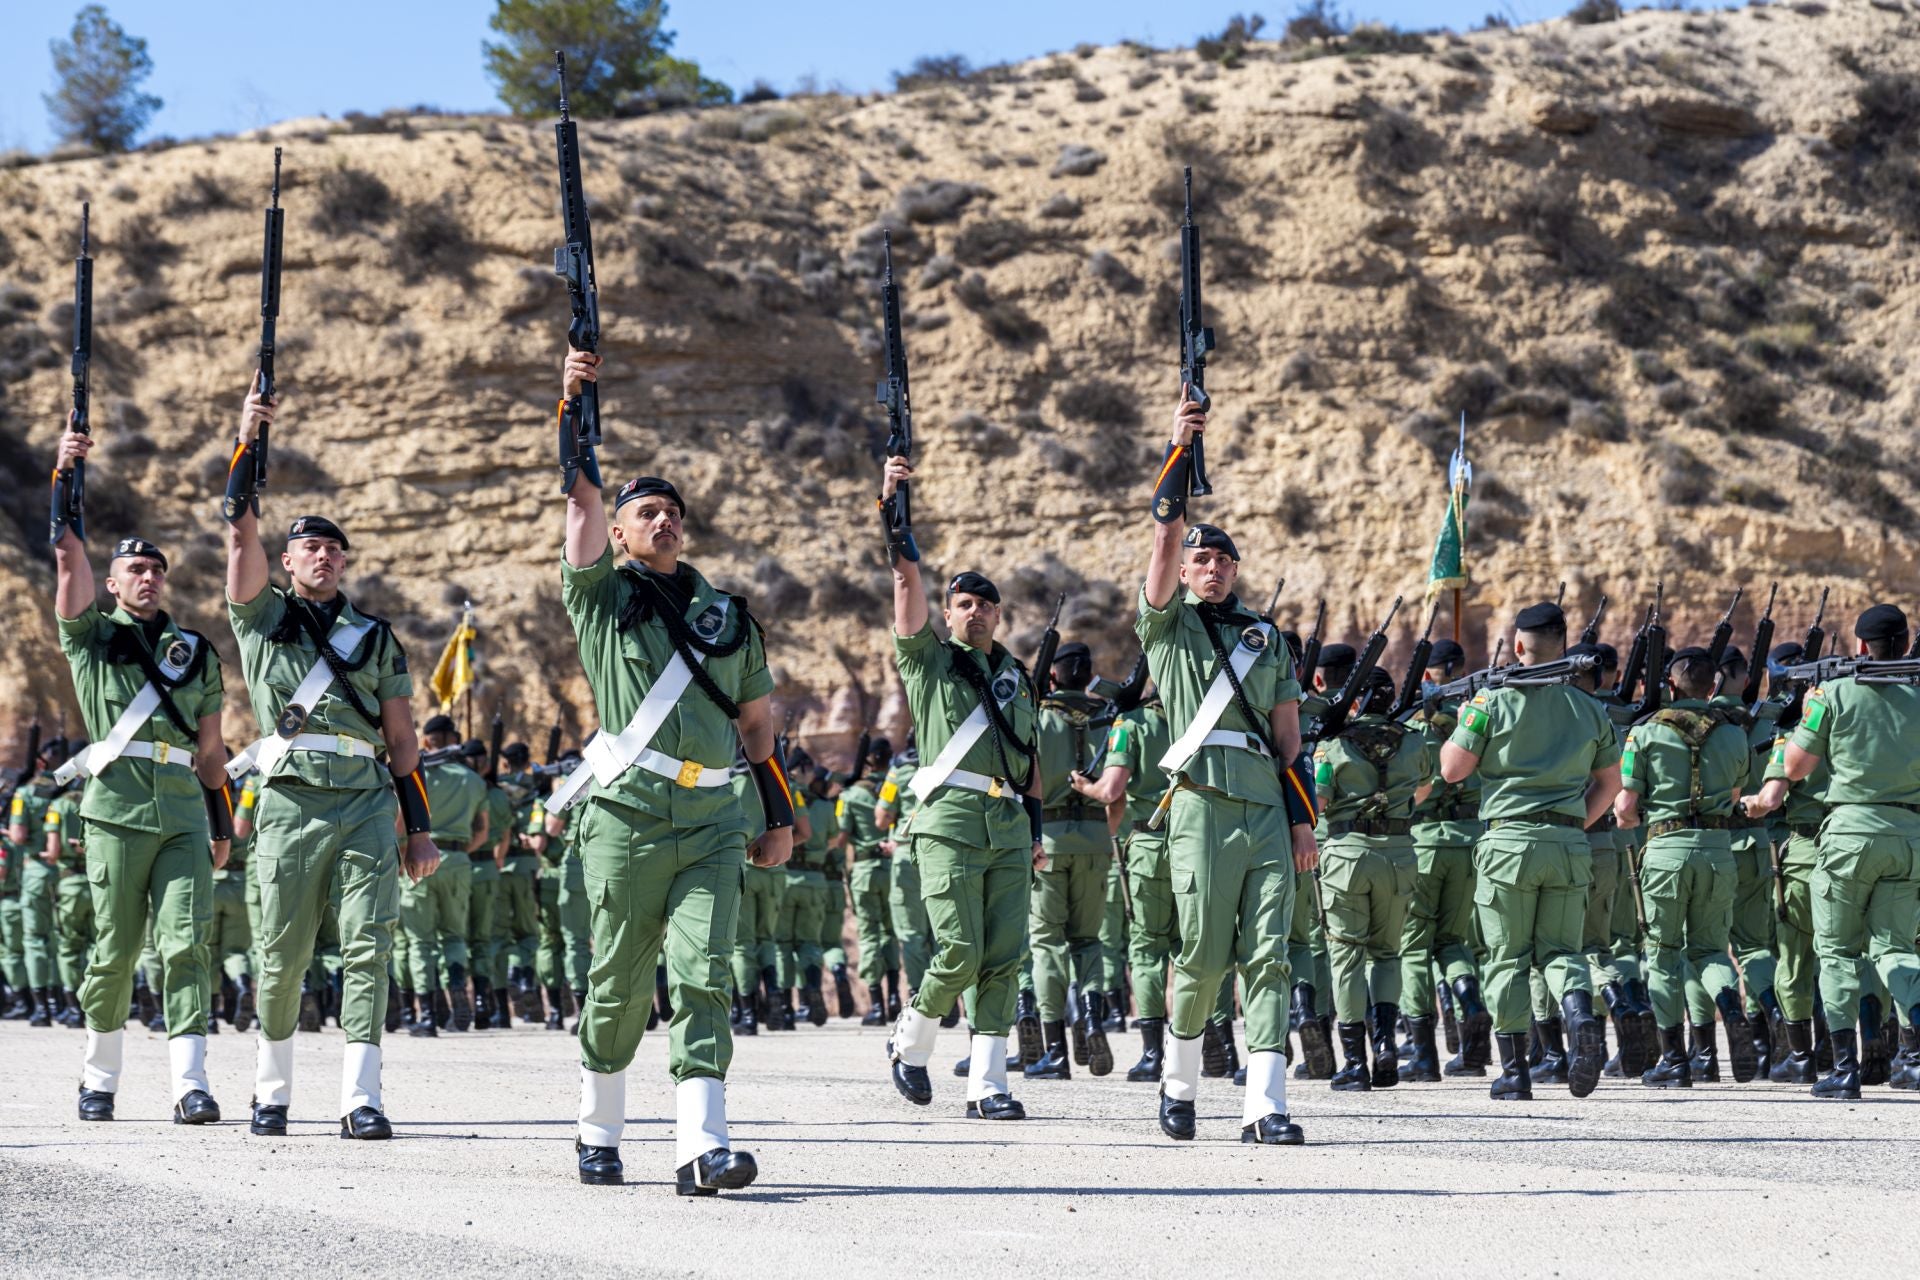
(893, 994)
(1077, 1027)
(1316, 1050)
(1844, 1080)
(1552, 1067)
(843, 991)
(1876, 1048)
(815, 998)
(913, 1083)
(1116, 1011)
(1636, 1055)
(269, 1120)
(482, 1002)
(1906, 1066)
(1153, 1055)
(458, 998)
(1093, 1018)
(196, 1106)
(556, 1015)
(1056, 1062)
(1476, 1028)
(876, 1015)
(76, 1017)
(599, 1166)
(407, 1007)
(1424, 1066)
(1449, 1023)
(503, 1008)
(1275, 1129)
(95, 1104)
(1026, 1027)
(425, 1023)
(391, 1023)
(749, 1023)
(310, 1014)
(1740, 1054)
(770, 994)
(42, 1015)
(718, 1170)
(1586, 1042)
(1386, 1056)
(1705, 1063)
(1514, 1083)
(365, 1124)
(1355, 1077)
(1795, 1065)
(1822, 1038)
(1218, 1055)
(1769, 1035)
(1674, 1070)
(1176, 1118)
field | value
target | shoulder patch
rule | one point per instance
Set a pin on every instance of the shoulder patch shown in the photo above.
(889, 792)
(1475, 720)
(1005, 686)
(1255, 638)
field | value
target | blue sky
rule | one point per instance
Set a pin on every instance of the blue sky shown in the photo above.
(221, 65)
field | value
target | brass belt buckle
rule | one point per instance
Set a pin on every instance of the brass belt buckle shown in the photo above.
(993, 791)
(160, 752)
(689, 775)
(343, 743)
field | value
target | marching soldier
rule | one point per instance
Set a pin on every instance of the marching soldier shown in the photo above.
(434, 909)
(230, 940)
(679, 674)
(803, 904)
(67, 849)
(150, 693)
(1549, 764)
(339, 785)
(756, 966)
(483, 890)
(502, 834)
(521, 885)
(566, 938)
(976, 835)
(870, 886)
(26, 830)
(1238, 820)
(1685, 767)
(1866, 911)
(1751, 934)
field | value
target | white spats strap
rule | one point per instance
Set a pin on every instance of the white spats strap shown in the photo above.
(273, 1073)
(700, 1118)
(1180, 1075)
(187, 1055)
(986, 1067)
(360, 1078)
(101, 1069)
(913, 1037)
(1266, 1086)
(603, 1107)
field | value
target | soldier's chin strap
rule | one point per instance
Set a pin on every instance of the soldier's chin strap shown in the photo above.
(219, 802)
(776, 796)
(415, 813)
(1176, 479)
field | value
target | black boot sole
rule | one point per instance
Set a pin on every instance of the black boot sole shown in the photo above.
(1585, 1056)
(1316, 1050)
(1099, 1054)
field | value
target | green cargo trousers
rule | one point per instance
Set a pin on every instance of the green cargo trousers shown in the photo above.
(1154, 939)
(1596, 927)
(1439, 924)
(977, 906)
(483, 895)
(550, 965)
(74, 903)
(907, 910)
(1368, 882)
(1113, 933)
(1530, 898)
(651, 885)
(1752, 932)
(1797, 979)
(1623, 943)
(434, 914)
(253, 913)
(803, 913)
(307, 840)
(833, 924)
(231, 938)
(868, 888)
(1307, 942)
(134, 875)
(1068, 908)
(1866, 910)
(36, 921)
(1687, 881)
(573, 923)
(13, 952)
(758, 924)
(520, 891)
(1231, 863)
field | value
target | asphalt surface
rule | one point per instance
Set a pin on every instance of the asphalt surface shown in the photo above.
(1433, 1179)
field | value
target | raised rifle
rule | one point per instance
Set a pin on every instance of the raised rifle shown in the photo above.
(896, 513)
(1049, 643)
(1196, 339)
(494, 740)
(860, 756)
(1636, 660)
(1417, 666)
(1356, 682)
(70, 483)
(573, 261)
(1723, 634)
(1590, 634)
(552, 759)
(1757, 656)
(1560, 596)
(1816, 634)
(1310, 648)
(1657, 654)
(1273, 601)
(247, 473)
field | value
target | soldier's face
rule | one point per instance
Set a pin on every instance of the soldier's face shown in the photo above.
(137, 582)
(648, 527)
(1209, 574)
(973, 618)
(315, 564)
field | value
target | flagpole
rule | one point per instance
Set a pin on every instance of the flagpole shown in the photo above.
(466, 622)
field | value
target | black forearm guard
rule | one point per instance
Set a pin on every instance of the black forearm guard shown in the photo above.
(219, 811)
(1296, 781)
(1170, 490)
(414, 811)
(1035, 816)
(242, 476)
(776, 797)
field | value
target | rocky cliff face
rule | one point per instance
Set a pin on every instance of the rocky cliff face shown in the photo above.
(1663, 265)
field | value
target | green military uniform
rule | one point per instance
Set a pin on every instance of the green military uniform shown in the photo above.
(1306, 940)
(37, 879)
(13, 952)
(483, 889)
(1752, 935)
(566, 933)
(1069, 901)
(869, 889)
(1797, 979)
(1136, 742)
(1229, 841)
(326, 845)
(147, 843)
(435, 910)
(1687, 764)
(74, 899)
(803, 909)
(500, 935)
(1538, 748)
(906, 906)
(230, 941)
(756, 965)
(833, 923)
(1439, 938)
(520, 889)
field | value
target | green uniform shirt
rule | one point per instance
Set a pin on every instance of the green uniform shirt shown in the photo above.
(134, 793)
(1136, 743)
(1068, 740)
(274, 670)
(812, 853)
(1658, 766)
(1806, 802)
(940, 701)
(28, 809)
(1350, 786)
(1537, 748)
(1184, 665)
(499, 817)
(455, 797)
(1867, 736)
(1451, 812)
(622, 665)
(897, 798)
(853, 817)
(63, 820)
(753, 814)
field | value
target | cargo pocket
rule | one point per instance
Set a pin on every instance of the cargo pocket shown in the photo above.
(1184, 883)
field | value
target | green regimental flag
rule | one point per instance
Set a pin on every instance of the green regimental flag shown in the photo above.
(1448, 572)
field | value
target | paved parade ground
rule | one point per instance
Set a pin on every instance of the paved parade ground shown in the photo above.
(1432, 1179)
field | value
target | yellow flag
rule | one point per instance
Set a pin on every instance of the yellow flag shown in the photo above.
(453, 674)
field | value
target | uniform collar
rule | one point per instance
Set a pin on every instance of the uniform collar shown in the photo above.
(153, 630)
(1686, 704)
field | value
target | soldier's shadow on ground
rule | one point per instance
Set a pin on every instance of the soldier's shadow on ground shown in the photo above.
(801, 1193)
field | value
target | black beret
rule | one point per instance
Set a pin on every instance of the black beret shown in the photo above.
(879, 749)
(643, 486)
(137, 546)
(1882, 622)
(515, 753)
(1783, 655)
(438, 724)
(974, 584)
(1609, 656)
(1378, 679)
(54, 749)
(1071, 650)
(1583, 651)
(1214, 539)
(1544, 616)
(1446, 653)
(1337, 655)
(1735, 656)
(316, 527)
(1692, 653)
(473, 747)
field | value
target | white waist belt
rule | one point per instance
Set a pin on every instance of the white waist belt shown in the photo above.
(267, 753)
(85, 765)
(688, 773)
(1235, 740)
(969, 781)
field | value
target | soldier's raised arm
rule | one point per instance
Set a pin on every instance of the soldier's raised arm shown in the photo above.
(909, 597)
(246, 558)
(586, 509)
(73, 577)
(1170, 502)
